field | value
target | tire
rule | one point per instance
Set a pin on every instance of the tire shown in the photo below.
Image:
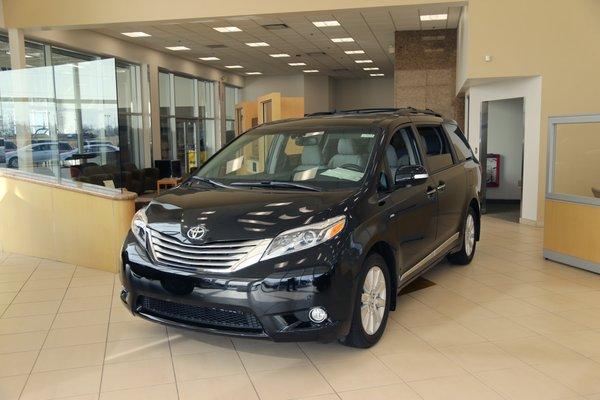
(469, 241)
(371, 305)
(13, 163)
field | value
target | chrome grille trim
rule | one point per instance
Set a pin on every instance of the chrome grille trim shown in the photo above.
(219, 257)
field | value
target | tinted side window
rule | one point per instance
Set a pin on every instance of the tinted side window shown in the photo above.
(402, 150)
(436, 146)
(460, 143)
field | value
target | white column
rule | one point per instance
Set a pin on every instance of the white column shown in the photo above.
(154, 111)
(147, 125)
(16, 43)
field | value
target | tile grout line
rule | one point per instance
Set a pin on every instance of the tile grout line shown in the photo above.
(172, 362)
(112, 299)
(47, 333)
(21, 288)
(244, 366)
(319, 371)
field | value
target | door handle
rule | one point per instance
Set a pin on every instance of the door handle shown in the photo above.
(441, 186)
(431, 191)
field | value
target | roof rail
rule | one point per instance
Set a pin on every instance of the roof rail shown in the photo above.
(405, 110)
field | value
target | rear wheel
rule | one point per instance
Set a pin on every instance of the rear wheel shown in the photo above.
(469, 242)
(372, 304)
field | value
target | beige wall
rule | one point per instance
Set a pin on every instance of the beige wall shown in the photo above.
(37, 13)
(48, 221)
(577, 160)
(551, 38)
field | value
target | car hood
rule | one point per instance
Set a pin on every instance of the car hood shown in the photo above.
(244, 214)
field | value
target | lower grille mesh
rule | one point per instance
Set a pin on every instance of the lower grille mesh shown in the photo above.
(200, 316)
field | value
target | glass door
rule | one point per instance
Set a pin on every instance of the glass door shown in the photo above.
(188, 143)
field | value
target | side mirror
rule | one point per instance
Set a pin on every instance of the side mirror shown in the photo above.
(410, 175)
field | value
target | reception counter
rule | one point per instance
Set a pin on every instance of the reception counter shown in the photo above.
(69, 222)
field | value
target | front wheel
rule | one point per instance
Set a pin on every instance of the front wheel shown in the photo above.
(469, 242)
(371, 305)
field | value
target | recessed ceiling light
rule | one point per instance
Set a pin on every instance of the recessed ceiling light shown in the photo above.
(254, 73)
(376, 74)
(342, 40)
(226, 29)
(371, 68)
(177, 48)
(354, 52)
(296, 64)
(233, 66)
(257, 44)
(323, 24)
(363, 61)
(209, 58)
(279, 55)
(310, 71)
(135, 34)
(434, 17)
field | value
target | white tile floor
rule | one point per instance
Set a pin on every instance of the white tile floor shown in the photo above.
(509, 326)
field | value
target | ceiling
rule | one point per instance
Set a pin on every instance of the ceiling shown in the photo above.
(372, 30)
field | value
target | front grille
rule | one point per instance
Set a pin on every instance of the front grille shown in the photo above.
(209, 317)
(169, 250)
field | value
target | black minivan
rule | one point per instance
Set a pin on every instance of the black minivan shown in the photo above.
(306, 229)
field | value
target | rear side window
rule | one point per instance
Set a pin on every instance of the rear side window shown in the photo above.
(436, 147)
(460, 143)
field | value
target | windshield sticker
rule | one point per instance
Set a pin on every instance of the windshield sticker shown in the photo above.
(234, 165)
(367, 135)
(343, 173)
(306, 174)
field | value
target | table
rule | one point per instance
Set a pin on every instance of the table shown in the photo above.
(167, 182)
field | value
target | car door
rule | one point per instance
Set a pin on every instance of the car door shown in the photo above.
(411, 210)
(448, 179)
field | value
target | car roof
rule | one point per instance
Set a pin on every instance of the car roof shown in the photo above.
(360, 117)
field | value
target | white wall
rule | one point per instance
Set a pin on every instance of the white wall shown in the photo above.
(530, 89)
(317, 93)
(505, 137)
(462, 47)
(363, 93)
(287, 85)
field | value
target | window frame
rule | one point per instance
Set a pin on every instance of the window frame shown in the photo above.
(463, 139)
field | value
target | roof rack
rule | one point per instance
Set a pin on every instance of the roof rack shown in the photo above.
(403, 111)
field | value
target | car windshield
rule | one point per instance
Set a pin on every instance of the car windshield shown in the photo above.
(326, 158)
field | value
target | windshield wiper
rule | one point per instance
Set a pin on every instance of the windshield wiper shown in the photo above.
(275, 184)
(210, 181)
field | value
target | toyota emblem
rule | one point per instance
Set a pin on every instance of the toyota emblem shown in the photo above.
(197, 232)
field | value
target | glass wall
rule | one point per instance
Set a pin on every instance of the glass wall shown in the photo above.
(574, 159)
(233, 96)
(34, 54)
(129, 103)
(62, 122)
(187, 119)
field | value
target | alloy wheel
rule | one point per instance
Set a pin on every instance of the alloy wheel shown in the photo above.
(373, 300)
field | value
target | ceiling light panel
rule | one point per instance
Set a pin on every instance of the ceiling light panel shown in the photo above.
(258, 44)
(296, 64)
(325, 24)
(354, 52)
(371, 69)
(342, 40)
(254, 73)
(363, 61)
(209, 58)
(226, 29)
(177, 48)
(377, 74)
(310, 71)
(136, 34)
(279, 55)
(234, 66)
(434, 17)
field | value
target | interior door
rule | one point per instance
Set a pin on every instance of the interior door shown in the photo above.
(412, 210)
(188, 142)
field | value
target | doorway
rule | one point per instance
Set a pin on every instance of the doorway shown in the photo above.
(502, 148)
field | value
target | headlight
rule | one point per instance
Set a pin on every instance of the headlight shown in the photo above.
(304, 237)
(138, 226)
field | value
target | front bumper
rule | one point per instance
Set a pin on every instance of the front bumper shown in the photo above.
(258, 301)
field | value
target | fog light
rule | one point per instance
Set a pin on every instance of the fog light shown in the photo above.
(317, 315)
